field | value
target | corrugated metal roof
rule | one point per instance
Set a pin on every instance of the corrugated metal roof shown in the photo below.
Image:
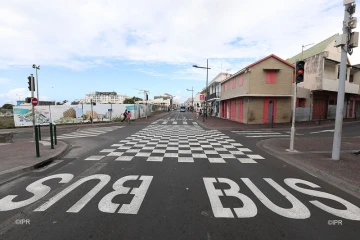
(318, 48)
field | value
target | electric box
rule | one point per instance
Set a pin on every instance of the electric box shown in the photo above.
(348, 1)
(354, 39)
(352, 23)
(340, 40)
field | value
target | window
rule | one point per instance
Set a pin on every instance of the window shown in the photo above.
(301, 102)
(270, 77)
(241, 79)
(351, 79)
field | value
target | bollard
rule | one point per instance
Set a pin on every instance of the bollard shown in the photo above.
(37, 141)
(55, 137)
(51, 136)
(272, 121)
(320, 121)
(355, 116)
(39, 132)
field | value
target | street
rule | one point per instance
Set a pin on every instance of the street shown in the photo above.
(173, 179)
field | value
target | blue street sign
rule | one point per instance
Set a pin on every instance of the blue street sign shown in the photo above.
(110, 110)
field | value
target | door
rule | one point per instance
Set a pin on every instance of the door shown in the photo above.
(320, 109)
(269, 110)
(228, 109)
(240, 110)
(351, 109)
(233, 110)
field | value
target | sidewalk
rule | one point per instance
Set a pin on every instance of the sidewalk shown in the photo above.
(315, 158)
(20, 156)
(225, 124)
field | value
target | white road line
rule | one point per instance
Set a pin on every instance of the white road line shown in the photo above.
(267, 136)
(270, 133)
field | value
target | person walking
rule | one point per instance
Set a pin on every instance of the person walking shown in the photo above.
(128, 116)
(125, 115)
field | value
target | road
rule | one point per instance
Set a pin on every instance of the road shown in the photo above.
(172, 179)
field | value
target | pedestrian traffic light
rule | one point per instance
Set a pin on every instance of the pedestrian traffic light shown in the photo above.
(31, 79)
(299, 71)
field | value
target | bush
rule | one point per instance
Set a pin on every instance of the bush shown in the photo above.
(7, 122)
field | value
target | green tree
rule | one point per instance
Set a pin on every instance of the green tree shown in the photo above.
(131, 100)
(7, 106)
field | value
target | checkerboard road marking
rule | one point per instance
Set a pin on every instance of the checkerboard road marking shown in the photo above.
(180, 143)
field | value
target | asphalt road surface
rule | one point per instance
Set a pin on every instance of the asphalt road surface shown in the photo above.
(172, 179)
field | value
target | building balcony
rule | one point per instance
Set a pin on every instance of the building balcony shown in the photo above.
(333, 85)
(214, 95)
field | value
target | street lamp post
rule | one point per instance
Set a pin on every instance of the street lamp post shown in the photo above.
(206, 89)
(37, 80)
(192, 97)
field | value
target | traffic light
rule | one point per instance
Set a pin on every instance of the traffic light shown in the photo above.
(299, 71)
(147, 98)
(31, 79)
(94, 103)
(28, 100)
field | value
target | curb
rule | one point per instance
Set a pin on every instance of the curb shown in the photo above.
(13, 175)
(326, 177)
(268, 128)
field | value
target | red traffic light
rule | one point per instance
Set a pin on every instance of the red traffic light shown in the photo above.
(300, 71)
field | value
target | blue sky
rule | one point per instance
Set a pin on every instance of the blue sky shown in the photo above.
(87, 45)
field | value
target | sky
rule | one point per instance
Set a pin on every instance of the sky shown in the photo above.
(126, 46)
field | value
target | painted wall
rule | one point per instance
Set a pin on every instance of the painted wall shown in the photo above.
(60, 114)
(314, 72)
(284, 77)
(238, 90)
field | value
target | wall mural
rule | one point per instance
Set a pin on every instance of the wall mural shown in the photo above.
(60, 114)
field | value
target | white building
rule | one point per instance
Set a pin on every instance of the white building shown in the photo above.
(104, 97)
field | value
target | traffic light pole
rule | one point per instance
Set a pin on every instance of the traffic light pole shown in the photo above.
(292, 136)
(341, 93)
(33, 108)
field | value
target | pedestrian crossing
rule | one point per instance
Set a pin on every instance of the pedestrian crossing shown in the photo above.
(88, 132)
(175, 121)
(181, 143)
(262, 133)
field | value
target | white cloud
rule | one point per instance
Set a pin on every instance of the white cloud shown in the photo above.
(82, 34)
(13, 95)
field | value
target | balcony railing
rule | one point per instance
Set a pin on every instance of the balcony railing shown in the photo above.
(214, 95)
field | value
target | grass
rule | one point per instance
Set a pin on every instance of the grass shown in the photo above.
(7, 122)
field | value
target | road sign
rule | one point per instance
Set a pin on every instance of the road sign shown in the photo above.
(34, 102)
(109, 110)
(202, 97)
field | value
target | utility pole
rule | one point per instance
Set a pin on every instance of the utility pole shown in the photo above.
(92, 118)
(207, 74)
(346, 41)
